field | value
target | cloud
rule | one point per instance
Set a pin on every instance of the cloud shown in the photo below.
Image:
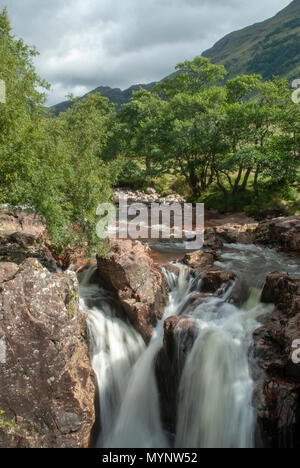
(117, 43)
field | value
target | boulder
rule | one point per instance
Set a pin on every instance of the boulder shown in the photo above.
(129, 272)
(17, 246)
(21, 221)
(283, 232)
(212, 280)
(212, 240)
(199, 260)
(180, 334)
(237, 233)
(277, 377)
(48, 387)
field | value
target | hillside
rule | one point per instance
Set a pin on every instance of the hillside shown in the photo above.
(115, 95)
(268, 48)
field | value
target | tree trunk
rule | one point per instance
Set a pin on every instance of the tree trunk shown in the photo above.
(246, 178)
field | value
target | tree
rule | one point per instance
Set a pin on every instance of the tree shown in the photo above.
(140, 122)
(51, 165)
(190, 137)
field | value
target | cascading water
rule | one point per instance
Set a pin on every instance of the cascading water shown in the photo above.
(216, 387)
(139, 423)
(214, 401)
(114, 347)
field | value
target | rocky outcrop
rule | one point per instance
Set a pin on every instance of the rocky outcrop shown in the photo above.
(283, 233)
(237, 233)
(232, 228)
(180, 334)
(129, 272)
(212, 280)
(212, 240)
(21, 221)
(47, 384)
(277, 377)
(17, 246)
(199, 260)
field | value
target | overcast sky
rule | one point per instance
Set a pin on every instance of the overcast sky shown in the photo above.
(88, 43)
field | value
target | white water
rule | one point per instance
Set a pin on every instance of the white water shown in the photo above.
(214, 407)
(216, 388)
(114, 347)
(139, 423)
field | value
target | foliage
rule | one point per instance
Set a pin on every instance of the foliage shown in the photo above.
(233, 136)
(51, 164)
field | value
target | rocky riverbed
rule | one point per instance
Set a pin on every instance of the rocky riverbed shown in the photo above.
(49, 386)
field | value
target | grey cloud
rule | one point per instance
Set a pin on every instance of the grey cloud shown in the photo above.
(85, 44)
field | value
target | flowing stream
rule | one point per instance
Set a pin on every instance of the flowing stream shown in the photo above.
(214, 398)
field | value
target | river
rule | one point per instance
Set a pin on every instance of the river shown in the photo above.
(214, 397)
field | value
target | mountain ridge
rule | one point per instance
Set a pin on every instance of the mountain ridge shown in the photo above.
(269, 48)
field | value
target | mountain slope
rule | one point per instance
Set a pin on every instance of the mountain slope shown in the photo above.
(268, 48)
(115, 95)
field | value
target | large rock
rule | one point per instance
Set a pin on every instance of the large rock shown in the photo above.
(283, 233)
(47, 384)
(277, 377)
(201, 264)
(212, 280)
(17, 246)
(129, 272)
(237, 233)
(199, 260)
(180, 334)
(232, 228)
(21, 221)
(212, 240)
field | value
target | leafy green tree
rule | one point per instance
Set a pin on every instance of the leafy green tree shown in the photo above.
(190, 138)
(140, 121)
(52, 165)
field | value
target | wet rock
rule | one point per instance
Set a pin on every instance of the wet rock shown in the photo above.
(277, 377)
(212, 280)
(141, 288)
(284, 291)
(212, 240)
(199, 260)
(180, 334)
(237, 233)
(17, 246)
(283, 233)
(47, 383)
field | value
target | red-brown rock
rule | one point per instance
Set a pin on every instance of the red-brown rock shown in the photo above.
(180, 334)
(283, 233)
(47, 384)
(277, 377)
(141, 288)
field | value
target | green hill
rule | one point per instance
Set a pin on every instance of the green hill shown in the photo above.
(115, 95)
(268, 48)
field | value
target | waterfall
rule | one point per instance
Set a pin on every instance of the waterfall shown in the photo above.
(139, 423)
(114, 348)
(214, 397)
(216, 388)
